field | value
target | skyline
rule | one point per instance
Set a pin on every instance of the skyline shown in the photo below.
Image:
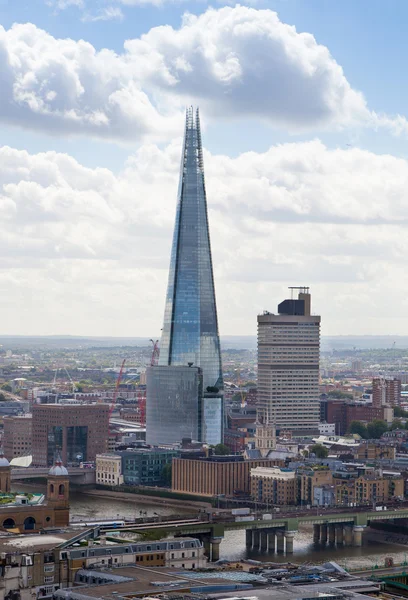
(306, 176)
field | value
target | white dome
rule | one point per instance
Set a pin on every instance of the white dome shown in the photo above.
(3, 460)
(58, 470)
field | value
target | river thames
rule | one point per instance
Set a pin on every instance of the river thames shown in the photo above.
(373, 552)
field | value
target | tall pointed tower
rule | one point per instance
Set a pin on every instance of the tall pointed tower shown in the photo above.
(190, 329)
(185, 391)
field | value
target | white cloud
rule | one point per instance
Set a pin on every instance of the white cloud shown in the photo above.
(88, 252)
(63, 4)
(109, 13)
(236, 62)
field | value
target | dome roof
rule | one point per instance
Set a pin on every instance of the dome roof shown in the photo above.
(3, 460)
(58, 469)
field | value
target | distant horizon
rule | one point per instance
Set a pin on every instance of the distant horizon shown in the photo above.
(233, 342)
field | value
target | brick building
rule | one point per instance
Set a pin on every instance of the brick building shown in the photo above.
(367, 489)
(310, 478)
(386, 391)
(342, 413)
(17, 435)
(274, 485)
(78, 432)
(216, 475)
(375, 450)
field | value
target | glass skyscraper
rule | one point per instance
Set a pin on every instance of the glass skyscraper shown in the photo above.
(190, 329)
(184, 392)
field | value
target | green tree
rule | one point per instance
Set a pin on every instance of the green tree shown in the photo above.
(359, 428)
(376, 428)
(221, 449)
(166, 474)
(400, 412)
(339, 394)
(319, 450)
(396, 424)
(6, 387)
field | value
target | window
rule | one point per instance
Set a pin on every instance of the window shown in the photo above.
(172, 555)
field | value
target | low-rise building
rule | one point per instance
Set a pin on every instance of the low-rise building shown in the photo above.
(366, 489)
(181, 553)
(145, 466)
(273, 484)
(310, 477)
(374, 450)
(17, 436)
(109, 469)
(211, 476)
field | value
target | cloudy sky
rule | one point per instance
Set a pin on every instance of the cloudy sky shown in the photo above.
(304, 106)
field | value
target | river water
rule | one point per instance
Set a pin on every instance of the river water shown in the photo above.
(372, 553)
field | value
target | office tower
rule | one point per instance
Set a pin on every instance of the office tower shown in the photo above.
(386, 391)
(17, 435)
(190, 328)
(76, 432)
(288, 368)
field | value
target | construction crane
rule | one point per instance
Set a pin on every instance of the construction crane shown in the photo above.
(155, 354)
(115, 393)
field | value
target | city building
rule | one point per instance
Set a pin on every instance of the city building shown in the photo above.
(27, 513)
(108, 469)
(342, 412)
(327, 428)
(273, 485)
(17, 435)
(216, 475)
(288, 366)
(308, 479)
(190, 329)
(375, 450)
(386, 391)
(181, 553)
(174, 403)
(366, 489)
(76, 432)
(146, 466)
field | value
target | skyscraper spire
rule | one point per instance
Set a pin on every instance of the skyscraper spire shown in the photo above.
(190, 329)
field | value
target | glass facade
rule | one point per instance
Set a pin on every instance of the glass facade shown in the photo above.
(54, 444)
(213, 420)
(77, 443)
(190, 329)
(173, 404)
(145, 466)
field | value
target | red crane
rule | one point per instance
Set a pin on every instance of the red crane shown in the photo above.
(115, 393)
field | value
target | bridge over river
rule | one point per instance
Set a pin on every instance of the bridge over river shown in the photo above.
(77, 475)
(344, 526)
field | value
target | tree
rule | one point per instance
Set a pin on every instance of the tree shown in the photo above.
(6, 387)
(339, 394)
(319, 451)
(376, 428)
(400, 412)
(359, 428)
(396, 424)
(221, 449)
(166, 474)
(2, 398)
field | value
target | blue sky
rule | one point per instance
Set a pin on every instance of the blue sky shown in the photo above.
(305, 134)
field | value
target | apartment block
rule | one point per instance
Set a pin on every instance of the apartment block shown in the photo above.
(288, 366)
(77, 432)
(273, 485)
(17, 436)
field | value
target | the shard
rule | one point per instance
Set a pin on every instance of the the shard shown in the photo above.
(185, 390)
(190, 329)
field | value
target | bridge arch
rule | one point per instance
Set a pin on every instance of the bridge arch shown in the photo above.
(9, 523)
(29, 524)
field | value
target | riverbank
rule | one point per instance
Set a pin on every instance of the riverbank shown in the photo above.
(194, 507)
